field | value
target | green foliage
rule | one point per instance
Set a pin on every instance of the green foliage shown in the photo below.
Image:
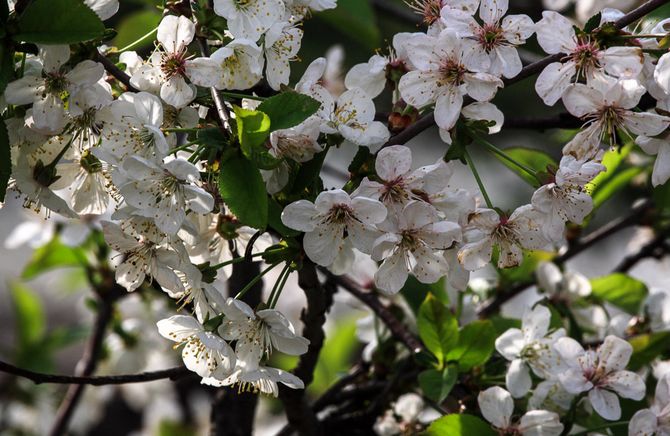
(288, 109)
(355, 19)
(438, 328)
(336, 355)
(53, 255)
(169, 427)
(243, 190)
(415, 292)
(274, 219)
(646, 348)
(437, 384)
(615, 184)
(615, 178)
(58, 22)
(459, 425)
(525, 271)
(30, 317)
(135, 26)
(534, 159)
(5, 159)
(253, 129)
(620, 290)
(476, 342)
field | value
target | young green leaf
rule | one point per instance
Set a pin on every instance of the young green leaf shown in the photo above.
(288, 109)
(438, 328)
(647, 348)
(459, 425)
(620, 290)
(437, 384)
(534, 159)
(58, 22)
(476, 342)
(29, 315)
(243, 190)
(53, 255)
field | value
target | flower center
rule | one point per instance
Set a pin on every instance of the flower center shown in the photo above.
(490, 36)
(339, 214)
(586, 57)
(429, 9)
(410, 239)
(394, 191)
(611, 118)
(55, 83)
(174, 64)
(453, 73)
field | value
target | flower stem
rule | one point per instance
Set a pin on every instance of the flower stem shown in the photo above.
(601, 427)
(279, 286)
(238, 95)
(233, 261)
(134, 43)
(254, 281)
(180, 130)
(182, 147)
(493, 149)
(471, 164)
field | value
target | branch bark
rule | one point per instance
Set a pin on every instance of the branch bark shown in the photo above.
(115, 71)
(300, 415)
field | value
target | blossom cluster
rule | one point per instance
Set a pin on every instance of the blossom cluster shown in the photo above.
(133, 162)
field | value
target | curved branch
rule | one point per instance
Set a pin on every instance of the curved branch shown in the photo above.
(101, 380)
(398, 330)
(115, 71)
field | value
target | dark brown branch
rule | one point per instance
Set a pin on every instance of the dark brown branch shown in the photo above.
(86, 366)
(397, 329)
(637, 215)
(656, 248)
(102, 380)
(300, 415)
(115, 71)
(530, 70)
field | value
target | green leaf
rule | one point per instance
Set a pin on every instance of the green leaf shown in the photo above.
(620, 290)
(415, 292)
(436, 384)
(613, 185)
(534, 159)
(646, 348)
(501, 325)
(253, 128)
(438, 328)
(336, 356)
(274, 219)
(356, 19)
(476, 342)
(612, 159)
(53, 255)
(5, 160)
(58, 22)
(135, 26)
(593, 23)
(526, 270)
(29, 313)
(243, 190)
(308, 173)
(6, 66)
(459, 425)
(288, 109)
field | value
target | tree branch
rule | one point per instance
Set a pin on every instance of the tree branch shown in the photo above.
(657, 248)
(115, 71)
(102, 380)
(300, 415)
(398, 330)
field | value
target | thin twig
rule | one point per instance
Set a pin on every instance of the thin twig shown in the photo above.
(657, 248)
(101, 380)
(397, 329)
(115, 71)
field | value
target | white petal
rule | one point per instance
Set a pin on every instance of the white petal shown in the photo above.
(299, 215)
(605, 403)
(497, 406)
(518, 379)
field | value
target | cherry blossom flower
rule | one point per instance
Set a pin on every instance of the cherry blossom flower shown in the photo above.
(486, 228)
(529, 347)
(203, 352)
(147, 252)
(600, 373)
(656, 419)
(566, 198)
(444, 75)
(241, 63)
(607, 105)
(497, 407)
(584, 59)
(398, 184)
(410, 243)
(166, 71)
(660, 147)
(163, 191)
(352, 115)
(45, 88)
(282, 43)
(334, 224)
(249, 19)
(494, 42)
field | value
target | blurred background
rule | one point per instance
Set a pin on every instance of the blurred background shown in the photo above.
(45, 304)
